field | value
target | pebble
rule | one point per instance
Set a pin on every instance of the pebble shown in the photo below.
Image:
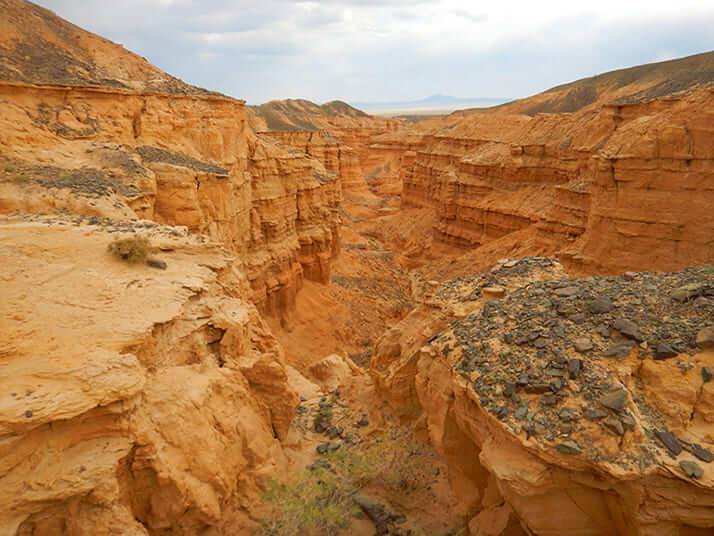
(583, 344)
(616, 400)
(619, 350)
(325, 448)
(707, 374)
(566, 292)
(628, 329)
(615, 425)
(705, 337)
(569, 447)
(664, 351)
(702, 453)
(670, 441)
(594, 414)
(691, 469)
(601, 305)
(574, 368)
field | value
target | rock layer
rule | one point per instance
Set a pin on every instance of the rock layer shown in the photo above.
(624, 186)
(97, 437)
(181, 160)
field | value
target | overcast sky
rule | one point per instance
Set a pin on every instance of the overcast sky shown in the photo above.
(394, 50)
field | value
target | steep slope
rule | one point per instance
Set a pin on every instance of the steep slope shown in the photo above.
(118, 422)
(156, 148)
(140, 400)
(633, 84)
(37, 47)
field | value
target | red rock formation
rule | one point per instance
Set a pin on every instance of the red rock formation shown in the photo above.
(335, 133)
(588, 186)
(135, 400)
(275, 209)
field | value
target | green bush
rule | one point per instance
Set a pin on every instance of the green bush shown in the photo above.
(134, 249)
(318, 501)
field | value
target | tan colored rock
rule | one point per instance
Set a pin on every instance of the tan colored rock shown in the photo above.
(333, 371)
(128, 422)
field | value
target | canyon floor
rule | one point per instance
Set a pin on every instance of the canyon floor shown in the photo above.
(293, 318)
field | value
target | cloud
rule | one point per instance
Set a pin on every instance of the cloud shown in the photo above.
(386, 50)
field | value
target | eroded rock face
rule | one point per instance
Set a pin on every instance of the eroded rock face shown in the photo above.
(616, 443)
(591, 187)
(179, 160)
(134, 399)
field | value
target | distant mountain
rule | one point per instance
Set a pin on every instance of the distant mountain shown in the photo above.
(433, 101)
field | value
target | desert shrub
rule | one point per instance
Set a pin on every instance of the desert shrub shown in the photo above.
(22, 179)
(318, 501)
(133, 249)
(9, 168)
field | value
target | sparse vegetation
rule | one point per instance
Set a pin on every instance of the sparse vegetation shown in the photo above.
(22, 179)
(319, 500)
(9, 168)
(134, 249)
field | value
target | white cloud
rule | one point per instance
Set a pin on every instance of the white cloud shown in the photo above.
(394, 49)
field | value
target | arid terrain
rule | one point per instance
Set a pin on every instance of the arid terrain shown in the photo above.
(220, 319)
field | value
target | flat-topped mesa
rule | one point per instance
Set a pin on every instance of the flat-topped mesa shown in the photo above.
(587, 187)
(592, 398)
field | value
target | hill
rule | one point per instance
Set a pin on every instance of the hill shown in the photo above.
(38, 47)
(292, 115)
(633, 84)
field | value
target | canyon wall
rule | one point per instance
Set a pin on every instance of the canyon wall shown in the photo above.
(338, 135)
(179, 160)
(623, 186)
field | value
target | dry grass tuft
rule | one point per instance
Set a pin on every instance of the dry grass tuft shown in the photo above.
(134, 249)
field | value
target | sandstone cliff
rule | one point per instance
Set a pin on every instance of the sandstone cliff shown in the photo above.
(139, 400)
(335, 133)
(543, 400)
(623, 186)
(135, 400)
(178, 159)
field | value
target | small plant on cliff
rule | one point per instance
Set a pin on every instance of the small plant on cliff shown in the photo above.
(134, 249)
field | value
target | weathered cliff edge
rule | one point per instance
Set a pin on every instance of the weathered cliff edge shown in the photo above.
(610, 188)
(564, 406)
(134, 400)
(179, 160)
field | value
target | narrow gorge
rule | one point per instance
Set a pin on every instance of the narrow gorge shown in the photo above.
(506, 314)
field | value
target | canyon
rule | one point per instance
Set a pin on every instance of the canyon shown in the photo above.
(528, 290)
